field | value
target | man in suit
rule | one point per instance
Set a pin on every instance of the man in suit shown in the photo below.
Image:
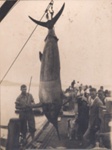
(94, 121)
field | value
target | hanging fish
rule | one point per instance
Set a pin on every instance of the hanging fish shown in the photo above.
(50, 91)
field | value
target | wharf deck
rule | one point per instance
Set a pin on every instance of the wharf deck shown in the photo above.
(48, 138)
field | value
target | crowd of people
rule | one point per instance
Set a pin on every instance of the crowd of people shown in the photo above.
(88, 101)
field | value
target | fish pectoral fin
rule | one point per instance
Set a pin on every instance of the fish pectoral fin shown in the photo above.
(40, 56)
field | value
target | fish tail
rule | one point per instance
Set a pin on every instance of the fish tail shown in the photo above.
(57, 130)
(49, 24)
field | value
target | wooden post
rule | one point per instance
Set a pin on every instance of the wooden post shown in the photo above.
(105, 129)
(13, 134)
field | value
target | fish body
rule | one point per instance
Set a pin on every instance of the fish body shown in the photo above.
(50, 91)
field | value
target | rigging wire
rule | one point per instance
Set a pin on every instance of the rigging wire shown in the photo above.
(49, 5)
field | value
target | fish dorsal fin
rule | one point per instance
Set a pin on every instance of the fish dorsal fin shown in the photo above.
(40, 56)
(50, 23)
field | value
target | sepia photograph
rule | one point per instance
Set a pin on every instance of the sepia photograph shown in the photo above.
(55, 74)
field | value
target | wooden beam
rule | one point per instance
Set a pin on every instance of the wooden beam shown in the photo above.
(6, 7)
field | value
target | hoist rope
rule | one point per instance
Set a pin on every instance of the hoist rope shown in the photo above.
(48, 11)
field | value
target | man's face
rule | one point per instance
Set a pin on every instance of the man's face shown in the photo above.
(87, 95)
(80, 88)
(101, 95)
(24, 89)
(93, 94)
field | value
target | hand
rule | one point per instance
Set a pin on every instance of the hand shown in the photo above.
(28, 106)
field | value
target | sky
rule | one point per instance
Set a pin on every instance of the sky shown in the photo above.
(85, 41)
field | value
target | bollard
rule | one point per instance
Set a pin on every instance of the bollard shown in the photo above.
(13, 134)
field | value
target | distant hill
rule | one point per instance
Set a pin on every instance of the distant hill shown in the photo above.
(11, 83)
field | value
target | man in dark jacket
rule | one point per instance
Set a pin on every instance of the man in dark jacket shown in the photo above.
(83, 116)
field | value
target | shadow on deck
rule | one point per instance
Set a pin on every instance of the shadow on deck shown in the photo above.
(48, 138)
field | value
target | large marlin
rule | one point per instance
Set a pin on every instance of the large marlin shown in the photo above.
(50, 92)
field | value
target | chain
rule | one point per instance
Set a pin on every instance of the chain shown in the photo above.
(49, 11)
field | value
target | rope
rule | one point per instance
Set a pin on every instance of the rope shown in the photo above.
(24, 45)
(48, 11)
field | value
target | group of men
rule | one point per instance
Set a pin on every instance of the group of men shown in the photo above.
(88, 101)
